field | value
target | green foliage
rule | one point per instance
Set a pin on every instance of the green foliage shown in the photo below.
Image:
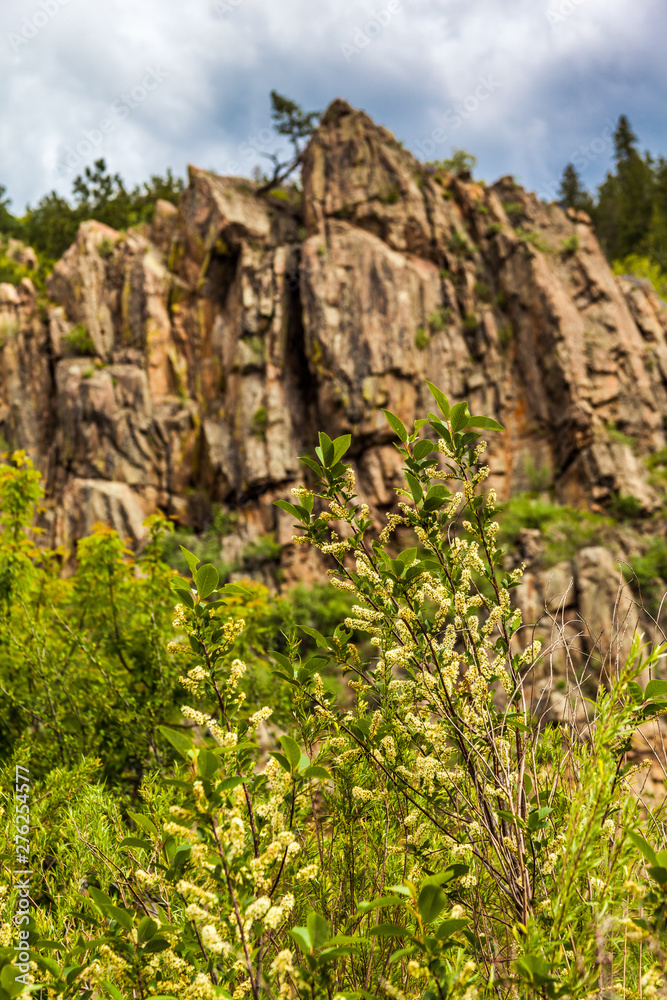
(51, 226)
(645, 269)
(79, 341)
(513, 208)
(620, 437)
(564, 530)
(423, 832)
(570, 245)
(470, 322)
(505, 335)
(297, 125)
(459, 244)
(460, 163)
(422, 338)
(650, 571)
(482, 291)
(625, 507)
(572, 193)
(260, 422)
(532, 238)
(439, 319)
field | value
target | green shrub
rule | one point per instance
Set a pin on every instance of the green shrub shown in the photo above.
(470, 322)
(564, 530)
(532, 238)
(79, 341)
(505, 335)
(439, 319)
(625, 507)
(260, 422)
(619, 437)
(425, 834)
(422, 339)
(570, 245)
(645, 269)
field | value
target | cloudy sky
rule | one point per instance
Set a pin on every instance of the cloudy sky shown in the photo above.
(525, 85)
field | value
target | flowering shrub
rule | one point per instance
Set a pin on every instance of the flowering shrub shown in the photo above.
(433, 835)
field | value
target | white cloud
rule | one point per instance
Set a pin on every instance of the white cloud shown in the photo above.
(558, 83)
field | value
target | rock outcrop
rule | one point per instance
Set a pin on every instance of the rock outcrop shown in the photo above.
(192, 363)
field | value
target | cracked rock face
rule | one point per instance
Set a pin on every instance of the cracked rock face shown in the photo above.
(192, 362)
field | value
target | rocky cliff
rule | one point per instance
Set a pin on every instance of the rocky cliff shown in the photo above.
(192, 363)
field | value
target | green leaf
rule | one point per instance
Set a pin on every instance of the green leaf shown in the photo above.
(415, 487)
(292, 750)
(144, 822)
(207, 580)
(396, 425)
(485, 424)
(156, 945)
(136, 842)
(655, 689)
(534, 970)
(440, 398)
(389, 930)
(302, 938)
(326, 449)
(299, 512)
(374, 904)
(120, 915)
(449, 927)
(340, 446)
(8, 980)
(282, 760)
(98, 896)
(644, 847)
(422, 449)
(179, 740)
(318, 929)
(316, 771)
(207, 763)
(459, 416)
(235, 588)
(112, 991)
(180, 589)
(191, 559)
(146, 930)
(436, 497)
(311, 464)
(229, 783)
(658, 874)
(431, 902)
(314, 634)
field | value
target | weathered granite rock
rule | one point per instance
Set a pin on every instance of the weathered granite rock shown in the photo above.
(190, 363)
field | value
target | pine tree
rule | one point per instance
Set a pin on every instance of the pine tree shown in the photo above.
(572, 193)
(290, 120)
(624, 207)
